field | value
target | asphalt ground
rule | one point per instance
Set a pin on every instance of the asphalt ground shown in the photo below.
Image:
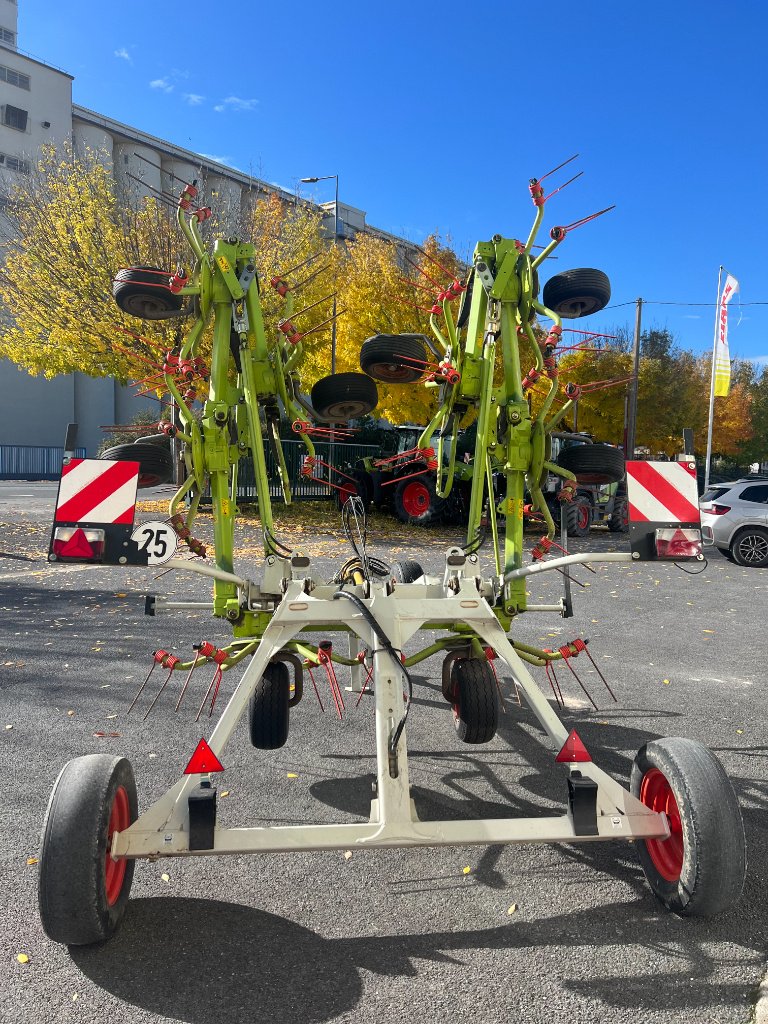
(393, 935)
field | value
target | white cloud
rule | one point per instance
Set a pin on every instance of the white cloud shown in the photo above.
(123, 54)
(162, 84)
(240, 105)
(691, 316)
(193, 99)
(760, 360)
(219, 108)
(216, 159)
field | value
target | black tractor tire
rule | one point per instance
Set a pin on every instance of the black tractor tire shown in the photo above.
(576, 293)
(268, 708)
(416, 501)
(578, 516)
(750, 547)
(699, 870)
(474, 699)
(380, 357)
(155, 462)
(364, 485)
(82, 891)
(341, 397)
(593, 463)
(143, 292)
(406, 572)
(618, 521)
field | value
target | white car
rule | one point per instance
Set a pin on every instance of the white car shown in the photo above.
(734, 517)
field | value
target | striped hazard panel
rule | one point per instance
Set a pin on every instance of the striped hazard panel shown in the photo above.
(96, 491)
(661, 492)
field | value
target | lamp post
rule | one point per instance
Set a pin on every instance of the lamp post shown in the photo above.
(310, 181)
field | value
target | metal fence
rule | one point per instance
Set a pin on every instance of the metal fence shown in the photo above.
(344, 457)
(32, 462)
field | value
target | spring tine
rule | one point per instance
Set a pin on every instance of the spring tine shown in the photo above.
(317, 692)
(155, 663)
(207, 692)
(186, 682)
(569, 160)
(159, 694)
(605, 681)
(576, 677)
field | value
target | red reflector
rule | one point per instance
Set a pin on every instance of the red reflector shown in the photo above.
(573, 749)
(78, 544)
(203, 760)
(679, 543)
(719, 510)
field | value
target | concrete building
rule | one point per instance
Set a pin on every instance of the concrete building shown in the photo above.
(36, 108)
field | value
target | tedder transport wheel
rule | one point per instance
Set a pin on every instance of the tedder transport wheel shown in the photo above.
(268, 708)
(82, 890)
(143, 292)
(416, 501)
(344, 396)
(155, 461)
(576, 293)
(406, 572)
(750, 547)
(474, 700)
(593, 463)
(699, 870)
(618, 521)
(578, 517)
(380, 357)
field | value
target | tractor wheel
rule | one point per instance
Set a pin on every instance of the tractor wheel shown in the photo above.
(578, 516)
(143, 292)
(406, 572)
(474, 700)
(82, 890)
(416, 500)
(364, 485)
(750, 547)
(268, 708)
(593, 463)
(618, 521)
(576, 293)
(699, 870)
(381, 357)
(155, 461)
(341, 397)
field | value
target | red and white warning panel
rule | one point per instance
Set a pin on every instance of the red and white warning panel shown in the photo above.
(95, 509)
(664, 517)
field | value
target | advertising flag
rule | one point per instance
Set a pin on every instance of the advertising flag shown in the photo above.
(722, 357)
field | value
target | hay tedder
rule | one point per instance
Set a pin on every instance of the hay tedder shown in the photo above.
(680, 809)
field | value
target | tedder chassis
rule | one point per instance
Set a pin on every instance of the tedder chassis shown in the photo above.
(680, 809)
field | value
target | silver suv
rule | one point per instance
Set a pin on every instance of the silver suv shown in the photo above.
(735, 518)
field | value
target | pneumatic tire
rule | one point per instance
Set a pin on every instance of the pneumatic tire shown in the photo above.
(394, 358)
(593, 463)
(341, 397)
(268, 708)
(474, 700)
(155, 461)
(406, 572)
(143, 292)
(577, 293)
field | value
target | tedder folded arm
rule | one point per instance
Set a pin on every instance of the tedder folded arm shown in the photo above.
(483, 371)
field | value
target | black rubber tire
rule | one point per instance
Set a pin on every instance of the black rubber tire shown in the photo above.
(344, 396)
(364, 487)
(406, 572)
(578, 516)
(144, 295)
(155, 462)
(474, 700)
(710, 829)
(576, 293)
(618, 521)
(750, 547)
(268, 708)
(72, 887)
(416, 500)
(593, 463)
(379, 357)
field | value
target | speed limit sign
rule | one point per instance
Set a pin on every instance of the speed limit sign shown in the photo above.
(159, 540)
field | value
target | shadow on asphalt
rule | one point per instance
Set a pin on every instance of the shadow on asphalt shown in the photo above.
(199, 960)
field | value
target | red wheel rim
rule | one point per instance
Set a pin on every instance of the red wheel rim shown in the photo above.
(456, 706)
(416, 499)
(666, 854)
(114, 870)
(583, 517)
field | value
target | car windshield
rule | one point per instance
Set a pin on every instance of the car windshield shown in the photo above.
(714, 493)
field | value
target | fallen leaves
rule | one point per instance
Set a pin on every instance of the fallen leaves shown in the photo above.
(165, 876)
(32, 860)
(512, 909)
(291, 775)
(347, 855)
(22, 958)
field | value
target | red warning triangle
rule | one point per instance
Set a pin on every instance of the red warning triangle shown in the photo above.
(203, 760)
(78, 546)
(573, 749)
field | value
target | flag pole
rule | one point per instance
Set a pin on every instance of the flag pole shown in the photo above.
(712, 384)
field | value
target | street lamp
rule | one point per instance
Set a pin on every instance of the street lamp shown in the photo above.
(311, 181)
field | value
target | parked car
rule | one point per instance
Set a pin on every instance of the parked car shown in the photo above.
(734, 516)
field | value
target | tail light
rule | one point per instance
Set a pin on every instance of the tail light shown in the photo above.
(76, 544)
(719, 510)
(678, 543)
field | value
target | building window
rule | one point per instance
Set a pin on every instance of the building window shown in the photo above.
(15, 117)
(13, 77)
(6, 36)
(15, 163)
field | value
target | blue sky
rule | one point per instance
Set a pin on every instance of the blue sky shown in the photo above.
(435, 117)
